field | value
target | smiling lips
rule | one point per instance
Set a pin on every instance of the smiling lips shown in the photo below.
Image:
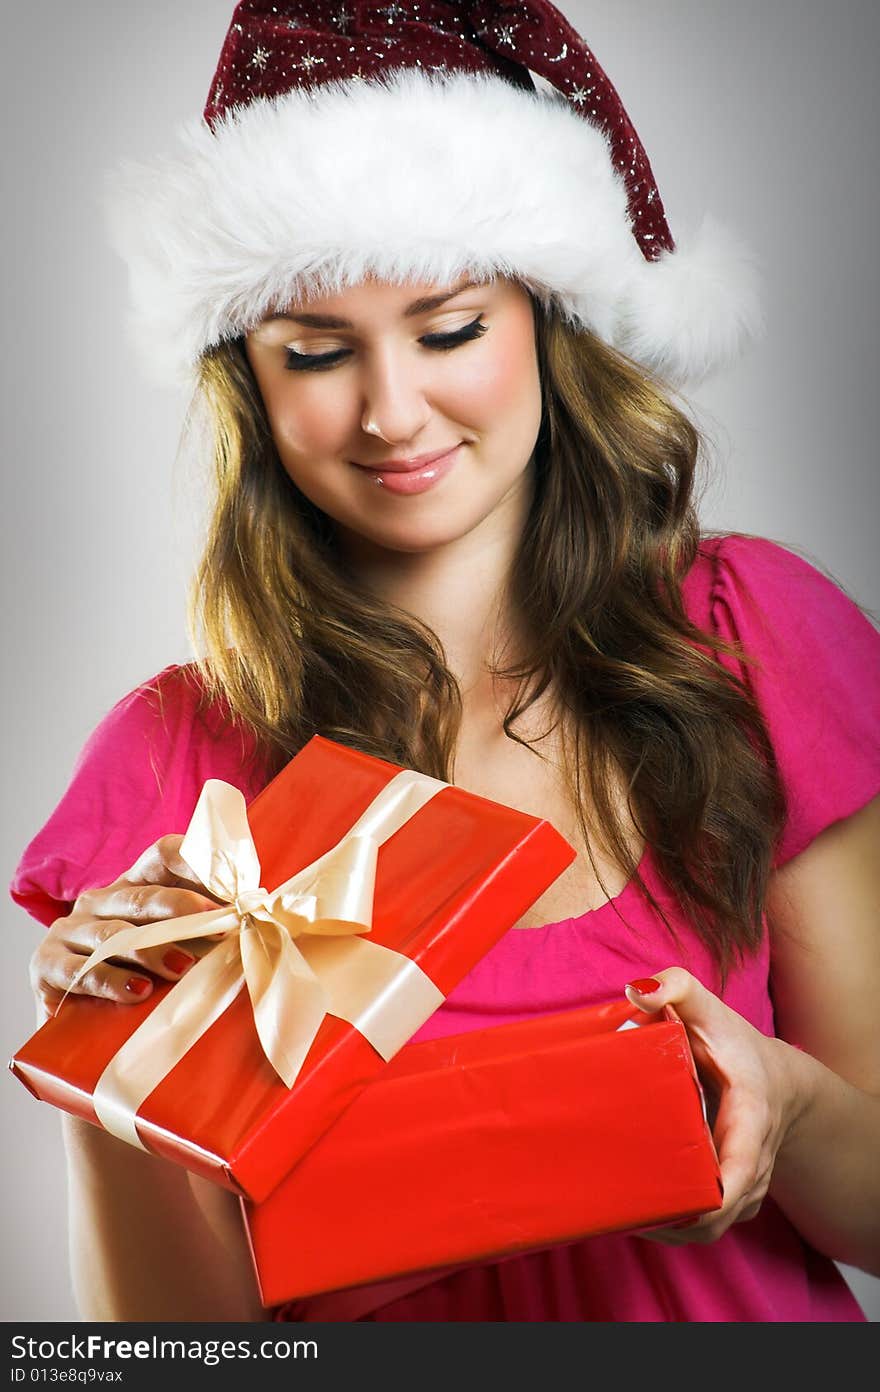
(406, 466)
(412, 475)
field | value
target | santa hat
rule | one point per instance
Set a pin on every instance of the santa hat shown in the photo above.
(408, 141)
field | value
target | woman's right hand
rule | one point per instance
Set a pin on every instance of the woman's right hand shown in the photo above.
(158, 886)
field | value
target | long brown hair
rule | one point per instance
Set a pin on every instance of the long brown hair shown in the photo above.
(295, 648)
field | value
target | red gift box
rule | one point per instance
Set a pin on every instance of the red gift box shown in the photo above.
(477, 1146)
(449, 883)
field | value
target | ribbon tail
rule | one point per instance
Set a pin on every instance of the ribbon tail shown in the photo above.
(384, 994)
(288, 1000)
(188, 1010)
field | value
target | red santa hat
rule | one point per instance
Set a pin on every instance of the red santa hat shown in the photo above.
(408, 141)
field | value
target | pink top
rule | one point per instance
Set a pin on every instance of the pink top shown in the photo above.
(140, 773)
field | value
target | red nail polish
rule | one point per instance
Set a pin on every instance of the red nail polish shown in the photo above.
(646, 985)
(138, 985)
(177, 961)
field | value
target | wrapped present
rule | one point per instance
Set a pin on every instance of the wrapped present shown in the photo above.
(386, 887)
(477, 1146)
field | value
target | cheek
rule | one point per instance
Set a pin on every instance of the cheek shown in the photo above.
(502, 391)
(312, 430)
(314, 425)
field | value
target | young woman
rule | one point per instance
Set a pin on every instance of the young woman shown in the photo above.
(454, 527)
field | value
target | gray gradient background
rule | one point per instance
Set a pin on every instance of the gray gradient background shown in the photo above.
(763, 113)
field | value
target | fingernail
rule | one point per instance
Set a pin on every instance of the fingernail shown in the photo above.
(177, 961)
(138, 985)
(645, 986)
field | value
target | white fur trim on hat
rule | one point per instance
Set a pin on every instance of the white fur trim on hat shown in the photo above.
(413, 177)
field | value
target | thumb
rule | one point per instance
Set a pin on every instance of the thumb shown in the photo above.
(646, 993)
(711, 1026)
(705, 1019)
(675, 987)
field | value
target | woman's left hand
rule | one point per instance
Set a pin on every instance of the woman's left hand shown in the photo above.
(751, 1091)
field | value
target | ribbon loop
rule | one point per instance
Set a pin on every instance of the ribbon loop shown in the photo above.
(218, 845)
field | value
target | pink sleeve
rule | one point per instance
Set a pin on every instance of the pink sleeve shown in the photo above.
(817, 680)
(137, 778)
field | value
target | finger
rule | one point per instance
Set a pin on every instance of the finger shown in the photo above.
(645, 992)
(106, 980)
(740, 1138)
(82, 935)
(667, 1237)
(702, 1228)
(712, 1027)
(163, 864)
(708, 1227)
(742, 1131)
(672, 986)
(689, 1235)
(143, 903)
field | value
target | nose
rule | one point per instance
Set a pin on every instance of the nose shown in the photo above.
(395, 408)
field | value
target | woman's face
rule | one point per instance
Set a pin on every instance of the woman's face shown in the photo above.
(366, 388)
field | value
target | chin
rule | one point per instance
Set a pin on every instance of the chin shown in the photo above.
(418, 541)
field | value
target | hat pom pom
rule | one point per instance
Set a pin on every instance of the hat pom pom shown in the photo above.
(695, 308)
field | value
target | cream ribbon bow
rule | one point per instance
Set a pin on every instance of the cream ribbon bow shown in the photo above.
(297, 947)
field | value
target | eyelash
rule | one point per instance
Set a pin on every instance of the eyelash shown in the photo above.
(440, 342)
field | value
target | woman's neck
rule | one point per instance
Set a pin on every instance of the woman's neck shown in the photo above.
(460, 590)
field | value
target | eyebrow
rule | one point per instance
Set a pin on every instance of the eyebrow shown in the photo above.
(332, 321)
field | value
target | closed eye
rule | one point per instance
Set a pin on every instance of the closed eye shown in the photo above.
(438, 342)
